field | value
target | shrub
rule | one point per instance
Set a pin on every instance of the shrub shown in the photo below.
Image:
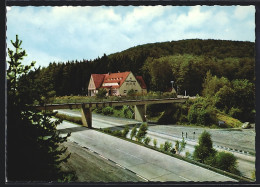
(147, 140)
(107, 130)
(188, 155)
(101, 93)
(133, 132)
(227, 162)
(131, 92)
(167, 146)
(177, 146)
(173, 151)
(127, 112)
(155, 142)
(117, 133)
(125, 131)
(162, 147)
(142, 132)
(205, 148)
(108, 110)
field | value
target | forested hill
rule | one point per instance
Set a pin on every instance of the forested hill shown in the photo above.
(185, 61)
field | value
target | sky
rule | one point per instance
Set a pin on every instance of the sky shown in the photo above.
(75, 33)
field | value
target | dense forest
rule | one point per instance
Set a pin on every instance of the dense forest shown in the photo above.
(186, 62)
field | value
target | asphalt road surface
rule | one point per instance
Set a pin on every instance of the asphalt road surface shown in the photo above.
(222, 139)
(149, 164)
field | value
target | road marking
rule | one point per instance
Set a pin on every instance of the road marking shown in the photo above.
(103, 157)
(142, 177)
(129, 154)
(184, 178)
(120, 165)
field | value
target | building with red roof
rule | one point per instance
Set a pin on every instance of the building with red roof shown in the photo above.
(116, 83)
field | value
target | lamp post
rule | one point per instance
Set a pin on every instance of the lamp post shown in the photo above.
(172, 84)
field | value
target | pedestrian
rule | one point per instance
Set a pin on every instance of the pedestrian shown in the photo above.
(182, 134)
(186, 134)
(194, 135)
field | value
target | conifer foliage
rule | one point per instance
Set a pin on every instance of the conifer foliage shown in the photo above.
(33, 144)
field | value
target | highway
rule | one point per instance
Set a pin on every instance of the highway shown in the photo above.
(148, 164)
(246, 163)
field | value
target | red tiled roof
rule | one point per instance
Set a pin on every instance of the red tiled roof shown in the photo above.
(98, 79)
(141, 82)
(116, 78)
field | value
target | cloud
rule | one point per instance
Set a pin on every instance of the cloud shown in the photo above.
(70, 33)
(241, 12)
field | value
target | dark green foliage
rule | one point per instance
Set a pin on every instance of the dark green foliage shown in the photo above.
(167, 146)
(201, 112)
(127, 112)
(33, 151)
(155, 142)
(117, 133)
(107, 130)
(108, 110)
(131, 92)
(142, 132)
(133, 132)
(205, 148)
(173, 151)
(77, 120)
(125, 131)
(147, 140)
(101, 93)
(227, 162)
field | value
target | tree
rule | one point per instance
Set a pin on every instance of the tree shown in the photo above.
(101, 93)
(133, 132)
(142, 132)
(33, 151)
(205, 147)
(226, 161)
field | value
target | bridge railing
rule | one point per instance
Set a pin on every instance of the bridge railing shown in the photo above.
(87, 99)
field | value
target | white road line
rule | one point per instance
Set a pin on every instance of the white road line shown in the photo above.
(142, 177)
(184, 178)
(120, 166)
(129, 154)
(103, 157)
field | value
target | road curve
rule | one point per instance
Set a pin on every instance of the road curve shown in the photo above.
(149, 164)
(246, 163)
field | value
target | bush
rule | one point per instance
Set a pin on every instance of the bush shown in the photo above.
(131, 92)
(101, 93)
(147, 140)
(173, 151)
(188, 155)
(205, 148)
(77, 120)
(167, 146)
(227, 162)
(142, 132)
(155, 142)
(125, 131)
(107, 130)
(128, 113)
(117, 133)
(108, 110)
(133, 132)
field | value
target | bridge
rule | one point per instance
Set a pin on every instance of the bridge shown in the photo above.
(140, 107)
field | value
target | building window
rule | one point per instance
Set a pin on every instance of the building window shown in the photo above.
(133, 83)
(124, 91)
(136, 90)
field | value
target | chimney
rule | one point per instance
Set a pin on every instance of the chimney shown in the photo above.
(118, 71)
(108, 73)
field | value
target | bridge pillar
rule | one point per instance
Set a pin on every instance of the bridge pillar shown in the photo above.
(140, 112)
(86, 117)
